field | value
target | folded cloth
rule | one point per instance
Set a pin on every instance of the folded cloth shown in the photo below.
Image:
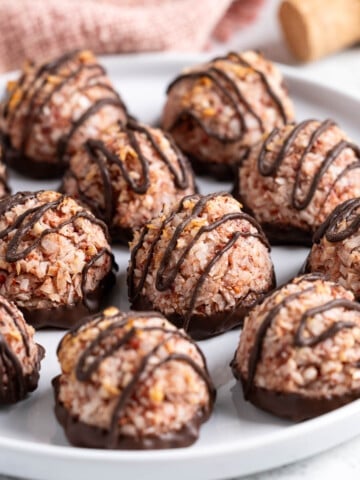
(41, 29)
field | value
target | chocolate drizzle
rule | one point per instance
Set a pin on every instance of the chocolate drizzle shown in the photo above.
(342, 223)
(166, 275)
(63, 142)
(300, 340)
(270, 169)
(106, 343)
(34, 92)
(14, 383)
(100, 155)
(229, 90)
(24, 224)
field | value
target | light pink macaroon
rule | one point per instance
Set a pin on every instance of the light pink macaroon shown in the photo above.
(52, 109)
(203, 264)
(20, 356)
(127, 175)
(131, 381)
(296, 178)
(217, 111)
(335, 251)
(55, 260)
(299, 351)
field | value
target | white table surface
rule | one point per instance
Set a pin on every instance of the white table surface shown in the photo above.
(340, 70)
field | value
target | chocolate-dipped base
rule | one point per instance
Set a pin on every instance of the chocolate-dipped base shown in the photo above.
(121, 235)
(201, 327)
(28, 166)
(220, 171)
(27, 383)
(279, 234)
(82, 434)
(276, 233)
(70, 316)
(294, 406)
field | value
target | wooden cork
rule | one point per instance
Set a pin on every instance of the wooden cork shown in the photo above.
(314, 28)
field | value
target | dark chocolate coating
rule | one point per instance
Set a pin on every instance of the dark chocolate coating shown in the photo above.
(207, 326)
(70, 316)
(26, 165)
(220, 171)
(105, 344)
(81, 434)
(198, 326)
(121, 235)
(281, 234)
(294, 406)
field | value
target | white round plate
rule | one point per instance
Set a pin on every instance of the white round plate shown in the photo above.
(238, 439)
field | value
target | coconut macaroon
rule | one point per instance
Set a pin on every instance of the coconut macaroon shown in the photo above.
(202, 264)
(20, 356)
(55, 259)
(299, 351)
(128, 175)
(294, 180)
(52, 109)
(131, 381)
(335, 251)
(4, 187)
(217, 111)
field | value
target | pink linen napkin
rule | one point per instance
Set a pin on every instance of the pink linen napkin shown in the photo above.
(41, 29)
